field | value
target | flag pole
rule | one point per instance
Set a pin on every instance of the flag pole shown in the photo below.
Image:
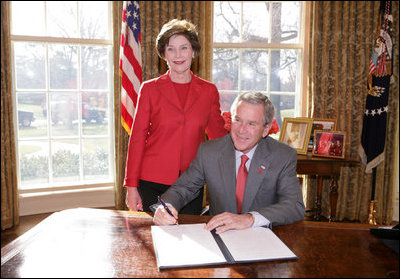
(371, 149)
(372, 203)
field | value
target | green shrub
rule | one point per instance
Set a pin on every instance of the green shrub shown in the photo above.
(95, 163)
(65, 163)
(34, 167)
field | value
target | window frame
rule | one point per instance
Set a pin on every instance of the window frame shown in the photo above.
(85, 193)
(303, 45)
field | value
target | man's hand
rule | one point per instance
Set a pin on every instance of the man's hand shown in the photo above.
(163, 218)
(133, 200)
(228, 221)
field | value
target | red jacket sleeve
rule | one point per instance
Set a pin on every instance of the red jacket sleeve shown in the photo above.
(137, 140)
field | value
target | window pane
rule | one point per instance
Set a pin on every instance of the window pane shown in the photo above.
(95, 113)
(283, 70)
(30, 65)
(95, 159)
(33, 163)
(254, 70)
(255, 22)
(62, 19)
(32, 115)
(284, 107)
(285, 22)
(65, 156)
(227, 21)
(64, 114)
(226, 69)
(22, 21)
(92, 15)
(94, 61)
(63, 66)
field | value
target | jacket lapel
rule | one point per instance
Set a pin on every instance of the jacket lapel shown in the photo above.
(258, 170)
(227, 167)
(193, 94)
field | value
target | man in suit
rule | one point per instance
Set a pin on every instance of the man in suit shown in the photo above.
(272, 194)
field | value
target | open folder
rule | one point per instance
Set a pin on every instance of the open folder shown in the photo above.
(191, 245)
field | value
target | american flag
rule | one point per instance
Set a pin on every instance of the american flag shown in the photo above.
(130, 63)
(371, 67)
(371, 149)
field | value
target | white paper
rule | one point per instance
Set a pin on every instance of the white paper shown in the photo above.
(185, 245)
(255, 244)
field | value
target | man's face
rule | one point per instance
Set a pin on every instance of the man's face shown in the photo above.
(248, 127)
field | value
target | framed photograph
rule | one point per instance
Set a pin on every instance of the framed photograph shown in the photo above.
(321, 124)
(296, 133)
(329, 143)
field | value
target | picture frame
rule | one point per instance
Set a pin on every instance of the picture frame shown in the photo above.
(329, 144)
(296, 133)
(325, 124)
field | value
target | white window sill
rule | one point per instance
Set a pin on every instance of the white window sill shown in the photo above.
(52, 201)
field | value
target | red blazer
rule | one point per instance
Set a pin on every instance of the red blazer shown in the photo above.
(165, 136)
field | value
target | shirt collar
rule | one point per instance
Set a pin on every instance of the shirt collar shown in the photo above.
(249, 154)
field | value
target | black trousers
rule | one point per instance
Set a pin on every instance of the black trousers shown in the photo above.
(149, 191)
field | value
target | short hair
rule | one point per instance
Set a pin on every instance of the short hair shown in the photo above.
(177, 27)
(256, 98)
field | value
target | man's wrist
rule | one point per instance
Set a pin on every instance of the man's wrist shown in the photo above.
(259, 220)
(251, 219)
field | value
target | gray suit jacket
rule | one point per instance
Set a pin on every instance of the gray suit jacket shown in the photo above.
(272, 186)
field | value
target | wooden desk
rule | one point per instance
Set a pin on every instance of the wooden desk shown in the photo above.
(107, 243)
(322, 168)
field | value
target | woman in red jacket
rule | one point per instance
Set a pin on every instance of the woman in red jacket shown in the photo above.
(173, 113)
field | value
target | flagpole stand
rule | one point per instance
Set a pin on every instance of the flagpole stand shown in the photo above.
(372, 211)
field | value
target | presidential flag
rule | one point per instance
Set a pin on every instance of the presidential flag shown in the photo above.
(130, 63)
(373, 136)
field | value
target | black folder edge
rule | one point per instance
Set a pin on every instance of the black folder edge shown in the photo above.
(227, 255)
(229, 258)
(160, 267)
(223, 248)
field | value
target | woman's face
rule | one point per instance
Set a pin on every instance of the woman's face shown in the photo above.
(179, 54)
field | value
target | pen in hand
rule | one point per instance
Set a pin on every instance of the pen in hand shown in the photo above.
(166, 208)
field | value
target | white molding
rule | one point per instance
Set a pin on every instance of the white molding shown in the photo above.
(37, 203)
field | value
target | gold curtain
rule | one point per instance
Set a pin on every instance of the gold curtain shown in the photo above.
(153, 16)
(9, 187)
(341, 41)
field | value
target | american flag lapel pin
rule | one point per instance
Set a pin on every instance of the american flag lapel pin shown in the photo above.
(262, 167)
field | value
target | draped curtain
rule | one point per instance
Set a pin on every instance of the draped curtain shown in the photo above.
(9, 188)
(154, 14)
(341, 42)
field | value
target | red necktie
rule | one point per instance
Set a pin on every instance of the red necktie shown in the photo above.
(241, 182)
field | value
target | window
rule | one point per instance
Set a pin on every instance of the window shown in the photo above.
(260, 46)
(62, 82)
